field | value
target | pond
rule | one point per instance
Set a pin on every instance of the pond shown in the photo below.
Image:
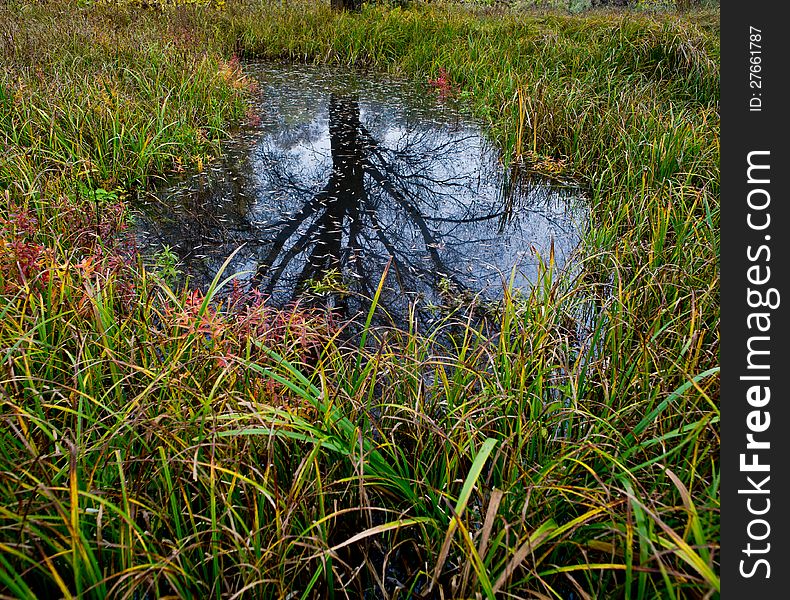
(339, 175)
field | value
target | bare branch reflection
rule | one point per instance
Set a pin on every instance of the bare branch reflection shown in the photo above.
(359, 184)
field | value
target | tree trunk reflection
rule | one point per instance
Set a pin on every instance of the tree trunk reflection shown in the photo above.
(348, 187)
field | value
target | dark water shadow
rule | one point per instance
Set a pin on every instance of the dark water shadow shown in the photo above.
(341, 176)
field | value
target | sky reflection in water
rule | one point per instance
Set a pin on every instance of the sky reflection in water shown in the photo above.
(344, 173)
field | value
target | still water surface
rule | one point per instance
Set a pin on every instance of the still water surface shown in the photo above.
(339, 174)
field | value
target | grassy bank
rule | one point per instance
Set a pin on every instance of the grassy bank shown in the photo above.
(154, 441)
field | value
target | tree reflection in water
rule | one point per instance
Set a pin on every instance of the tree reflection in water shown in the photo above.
(351, 187)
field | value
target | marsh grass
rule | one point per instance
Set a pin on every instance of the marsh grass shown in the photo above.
(158, 442)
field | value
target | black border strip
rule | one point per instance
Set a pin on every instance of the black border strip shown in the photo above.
(754, 302)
